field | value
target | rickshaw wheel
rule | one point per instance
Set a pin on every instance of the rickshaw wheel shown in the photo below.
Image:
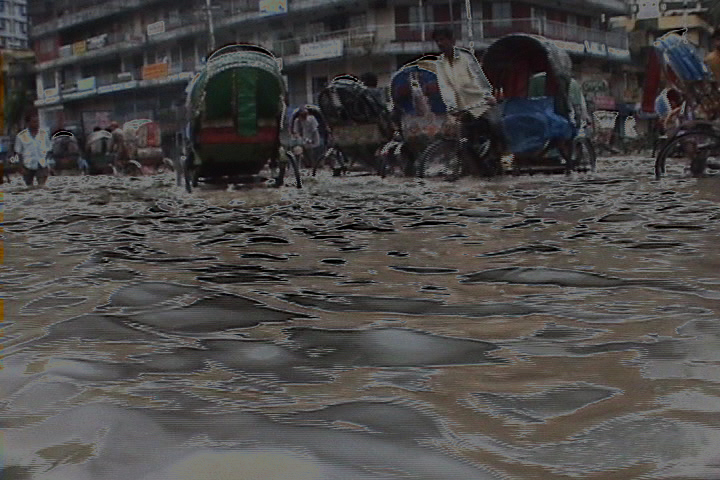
(441, 158)
(292, 160)
(689, 150)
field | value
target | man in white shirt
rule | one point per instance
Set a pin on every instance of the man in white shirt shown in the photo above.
(307, 129)
(32, 146)
(463, 85)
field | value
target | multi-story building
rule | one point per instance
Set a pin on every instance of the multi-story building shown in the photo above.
(124, 59)
(13, 24)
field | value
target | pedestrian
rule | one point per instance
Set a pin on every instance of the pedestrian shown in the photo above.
(33, 147)
(464, 86)
(712, 59)
(306, 129)
(668, 106)
(117, 146)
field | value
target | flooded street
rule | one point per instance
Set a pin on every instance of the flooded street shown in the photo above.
(548, 327)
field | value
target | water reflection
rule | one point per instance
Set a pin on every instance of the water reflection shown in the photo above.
(529, 327)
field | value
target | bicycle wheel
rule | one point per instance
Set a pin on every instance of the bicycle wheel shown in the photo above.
(295, 166)
(440, 159)
(688, 151)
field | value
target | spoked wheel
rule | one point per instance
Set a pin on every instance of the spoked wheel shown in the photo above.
(440, 159)
(294, 166)
(584, 157)
(689, 152)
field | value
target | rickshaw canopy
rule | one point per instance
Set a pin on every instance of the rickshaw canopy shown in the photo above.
(511, 61)
(241, 83)
(423, 72)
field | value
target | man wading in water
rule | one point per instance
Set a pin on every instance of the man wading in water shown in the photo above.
(463, 84)
(32, 146)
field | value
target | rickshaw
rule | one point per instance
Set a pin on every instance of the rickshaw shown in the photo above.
(541, 131)
(236, 105)
(142, 143)
(100, 161)
(66, 152)
(695, 144)
(419, 113)
(359, 124)
(298, 146)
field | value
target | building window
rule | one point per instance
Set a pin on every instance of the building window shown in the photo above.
(23, 27)
(2, 5)
(3, 24)
(502, 14)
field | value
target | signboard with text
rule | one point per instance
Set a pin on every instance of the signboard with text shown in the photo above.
(155, 28)
(79, 48)
(86, 83)
(154, 71)
(97, 42)
(320, 50)
(273, 7)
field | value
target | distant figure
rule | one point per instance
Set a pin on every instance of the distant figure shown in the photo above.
(117, 147)
(668, 106)
(307, 129)
(33, 146)
(712, 60)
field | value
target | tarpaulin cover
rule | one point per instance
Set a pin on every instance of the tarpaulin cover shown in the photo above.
(682, 57)
(530, 122)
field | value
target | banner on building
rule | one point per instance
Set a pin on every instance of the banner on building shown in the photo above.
(65, 51)
(79, 48)
(99, 41)
(154, 71)
(86, 84)
(645, 9)
(51, 92)
(273, 7)
(156, 28)
(595, 48)
(320, 50)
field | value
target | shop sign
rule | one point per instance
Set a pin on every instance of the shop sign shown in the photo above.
(154, 71)
(79, 48)
(595, 48)
(569, 46)
(273, 7)
(86, 84)
(116, 87)
(618, 53)
(65, 51)
(320, 50)
(156, 28)
(99, 41)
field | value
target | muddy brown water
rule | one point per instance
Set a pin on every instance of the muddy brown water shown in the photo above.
(544, 327)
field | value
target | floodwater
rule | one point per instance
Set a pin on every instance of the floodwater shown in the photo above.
(548, 327)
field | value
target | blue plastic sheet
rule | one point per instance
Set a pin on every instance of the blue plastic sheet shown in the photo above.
(530, 122)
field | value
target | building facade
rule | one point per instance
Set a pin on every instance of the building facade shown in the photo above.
(13, 24)
(126, 59)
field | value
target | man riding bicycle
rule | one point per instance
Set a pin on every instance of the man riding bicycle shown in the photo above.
(464, 87)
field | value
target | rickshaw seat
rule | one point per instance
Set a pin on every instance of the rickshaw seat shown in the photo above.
(530, 122)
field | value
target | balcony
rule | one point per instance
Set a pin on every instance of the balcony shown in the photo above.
(87, 12)
(416, 37)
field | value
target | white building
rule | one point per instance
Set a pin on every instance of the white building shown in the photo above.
(13, 24)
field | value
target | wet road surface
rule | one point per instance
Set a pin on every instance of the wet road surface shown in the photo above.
(544, 327)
